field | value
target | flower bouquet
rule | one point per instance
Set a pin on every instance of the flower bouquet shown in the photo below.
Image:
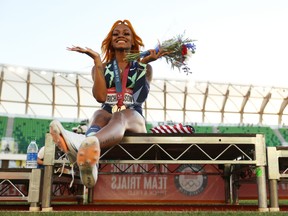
(176, 51)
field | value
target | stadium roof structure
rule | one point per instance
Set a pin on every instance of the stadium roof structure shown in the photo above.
(56, 94)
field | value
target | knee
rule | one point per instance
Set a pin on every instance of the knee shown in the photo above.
(97, 113)
(100, 118)
(118, 116)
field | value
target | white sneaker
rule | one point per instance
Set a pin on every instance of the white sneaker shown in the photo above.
(87, 160)
(67, 141)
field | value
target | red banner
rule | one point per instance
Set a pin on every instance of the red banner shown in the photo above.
(176, 184)
(249, 191)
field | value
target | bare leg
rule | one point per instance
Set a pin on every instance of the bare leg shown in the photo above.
(100, 118)
(113, 132)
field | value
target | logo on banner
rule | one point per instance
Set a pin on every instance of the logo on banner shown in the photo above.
(193, 181)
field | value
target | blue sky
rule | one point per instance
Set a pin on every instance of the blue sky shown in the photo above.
(238, 41)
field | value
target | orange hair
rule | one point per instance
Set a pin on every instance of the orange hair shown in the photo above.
(107, 49)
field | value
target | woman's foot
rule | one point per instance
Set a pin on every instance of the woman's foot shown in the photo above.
(87, 160)
(67, 141)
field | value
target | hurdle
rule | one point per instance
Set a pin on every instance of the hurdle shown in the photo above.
(277, 171)
(217, 149)
(30, 177)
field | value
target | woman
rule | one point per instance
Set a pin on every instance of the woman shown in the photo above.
(121, 87)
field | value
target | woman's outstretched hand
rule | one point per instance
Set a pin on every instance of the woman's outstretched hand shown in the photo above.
(85, 50)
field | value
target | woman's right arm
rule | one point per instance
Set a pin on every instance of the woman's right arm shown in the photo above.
(99, 89)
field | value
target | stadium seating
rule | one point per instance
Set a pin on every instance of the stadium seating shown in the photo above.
(203, 129)
(284, 133)
(27, 129)
(3, 125)
(270, 137)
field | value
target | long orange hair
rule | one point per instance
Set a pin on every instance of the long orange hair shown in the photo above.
(106, 47)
